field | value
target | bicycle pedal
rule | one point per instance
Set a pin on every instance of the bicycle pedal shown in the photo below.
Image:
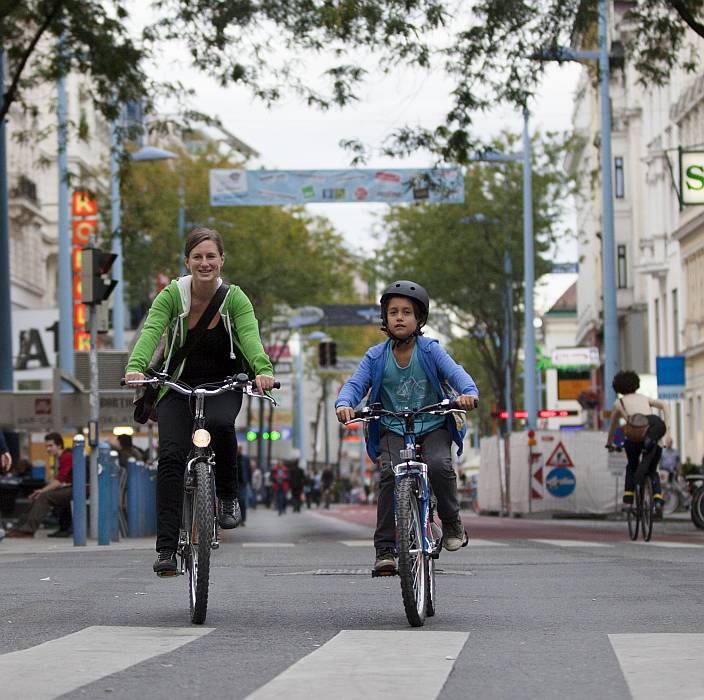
(384, 574)
(215, 545)
(168, 574)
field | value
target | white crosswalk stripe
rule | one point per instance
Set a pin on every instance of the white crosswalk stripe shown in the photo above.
(671, 545)
(57, 667)
(357, 663)
(572, 543)
(268, 545)
(474, 542)
(357, 543)
(658, 666)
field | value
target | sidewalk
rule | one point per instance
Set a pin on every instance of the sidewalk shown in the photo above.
(41, 543)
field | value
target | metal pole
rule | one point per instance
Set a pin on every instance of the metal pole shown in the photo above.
(528, 281)
(104, 486)
(508, 337)
(79, 490)
(65, 279)
(93, 432)
(182, 227)
(6, 379)
(609, 269)
(118, 304)
(299, 408)
(325, 422)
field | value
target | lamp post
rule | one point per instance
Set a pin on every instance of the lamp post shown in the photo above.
(144, 154)
(608, 262)
(6, 381)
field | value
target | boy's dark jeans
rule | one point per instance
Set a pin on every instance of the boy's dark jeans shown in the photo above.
(175, 426)
(436, 454)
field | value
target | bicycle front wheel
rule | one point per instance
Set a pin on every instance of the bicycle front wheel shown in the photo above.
(697, 508)
(646, 509)
(412, 562)
(633, 515)
(202, 510)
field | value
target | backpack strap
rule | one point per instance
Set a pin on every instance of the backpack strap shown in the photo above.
(194, 336)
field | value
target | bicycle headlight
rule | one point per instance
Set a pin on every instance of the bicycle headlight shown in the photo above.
(201, 438)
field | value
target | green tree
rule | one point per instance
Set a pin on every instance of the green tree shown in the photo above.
(278, 256)
(456, 250)
(485, 46)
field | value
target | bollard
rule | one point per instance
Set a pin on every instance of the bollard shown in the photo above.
(114, 497)
(104, 506)
(142, 515)
(150, 505)
(79, 490)
(132, 497)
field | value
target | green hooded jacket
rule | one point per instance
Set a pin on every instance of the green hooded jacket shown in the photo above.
(169, 312)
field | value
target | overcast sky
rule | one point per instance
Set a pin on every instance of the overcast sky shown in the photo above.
(292, 135)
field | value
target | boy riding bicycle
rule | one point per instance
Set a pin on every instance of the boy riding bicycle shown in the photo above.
(408, 371)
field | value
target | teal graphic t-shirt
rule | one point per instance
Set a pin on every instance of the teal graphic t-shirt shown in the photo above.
(404, 388)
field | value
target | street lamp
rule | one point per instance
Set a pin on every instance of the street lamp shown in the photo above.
(145, 153)
(608, 263)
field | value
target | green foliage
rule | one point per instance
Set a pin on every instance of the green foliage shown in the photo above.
(456, 250)
(278, 256)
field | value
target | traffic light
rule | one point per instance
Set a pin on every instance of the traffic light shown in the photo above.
(327, 353)
(96, 286)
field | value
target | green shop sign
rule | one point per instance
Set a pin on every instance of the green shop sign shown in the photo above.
(692, 177)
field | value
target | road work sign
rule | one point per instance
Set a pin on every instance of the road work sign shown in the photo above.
(559, 458)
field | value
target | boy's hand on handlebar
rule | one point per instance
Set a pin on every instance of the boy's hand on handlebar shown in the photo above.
(467, 402)
(264, 382)
(134, 377)
(344, 414)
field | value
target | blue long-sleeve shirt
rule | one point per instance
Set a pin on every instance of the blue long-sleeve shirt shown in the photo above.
(437, 365)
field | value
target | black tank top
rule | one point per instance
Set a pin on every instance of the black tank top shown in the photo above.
(209, 360)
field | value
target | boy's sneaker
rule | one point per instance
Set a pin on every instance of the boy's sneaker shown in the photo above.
(454, 535)
(229, 513)
(385, 561)
(165, 564)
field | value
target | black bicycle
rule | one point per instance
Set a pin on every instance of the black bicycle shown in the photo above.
(641, 513)
(198, 534)
(418, 537)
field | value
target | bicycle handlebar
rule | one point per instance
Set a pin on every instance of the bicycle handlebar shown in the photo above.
(369, 413)
(241, 382)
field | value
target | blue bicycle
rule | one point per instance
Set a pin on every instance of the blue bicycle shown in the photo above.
(418, 537)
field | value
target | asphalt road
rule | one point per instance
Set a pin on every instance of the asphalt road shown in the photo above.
(531, 609)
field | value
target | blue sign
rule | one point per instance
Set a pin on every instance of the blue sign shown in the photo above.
(560, 482)
(238, 187)
(671, 377)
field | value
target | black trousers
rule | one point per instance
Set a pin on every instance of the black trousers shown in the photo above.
(650, 461)
(175, 419)
(436, 454)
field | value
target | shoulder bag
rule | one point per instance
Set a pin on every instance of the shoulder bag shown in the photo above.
(636, 425)
(145, 405)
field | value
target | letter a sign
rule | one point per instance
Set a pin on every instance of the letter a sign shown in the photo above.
(559, 458)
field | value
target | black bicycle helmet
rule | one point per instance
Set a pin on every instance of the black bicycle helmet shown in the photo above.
(411, 290)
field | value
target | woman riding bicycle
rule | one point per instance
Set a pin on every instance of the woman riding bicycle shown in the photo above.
(407, 371)
(632, 404)
(231, 337)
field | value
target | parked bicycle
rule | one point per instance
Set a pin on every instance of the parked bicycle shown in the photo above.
(676, 495)
(696, 487)
(198, 533)
(419, 538)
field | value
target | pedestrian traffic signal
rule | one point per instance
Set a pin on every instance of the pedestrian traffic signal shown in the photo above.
(96, 286)
(327, 353)
(253, 436)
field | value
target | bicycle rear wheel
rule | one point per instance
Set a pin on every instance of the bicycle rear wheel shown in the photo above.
(202, 510)
(646, 509)
(412, 562)
(633, 515)
(697, 508)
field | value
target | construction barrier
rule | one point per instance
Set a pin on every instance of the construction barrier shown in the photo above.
(563, 472)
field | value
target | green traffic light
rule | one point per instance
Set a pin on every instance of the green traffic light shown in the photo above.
(265, 436)
(275, 435)
(251, 436)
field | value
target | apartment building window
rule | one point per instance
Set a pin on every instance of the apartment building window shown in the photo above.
(621, 267)
(676, 321)
(656, 323)
(619, 183)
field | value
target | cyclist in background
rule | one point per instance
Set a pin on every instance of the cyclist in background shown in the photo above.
(631, 403)
(232, 335)
(407, 371)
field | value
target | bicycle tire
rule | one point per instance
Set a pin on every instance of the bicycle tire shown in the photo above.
(430, 585)
(633, 516)
(697, 508)
(671, 502)
(646, 510)
(199, 543)
(412, 562)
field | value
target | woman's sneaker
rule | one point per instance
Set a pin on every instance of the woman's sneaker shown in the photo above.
(454, 535)
(165, 564)
(229, 513)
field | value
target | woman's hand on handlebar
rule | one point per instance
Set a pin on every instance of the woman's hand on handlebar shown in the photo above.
(134, 377)
(467, 402)
(264, 382)
(344, 414)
